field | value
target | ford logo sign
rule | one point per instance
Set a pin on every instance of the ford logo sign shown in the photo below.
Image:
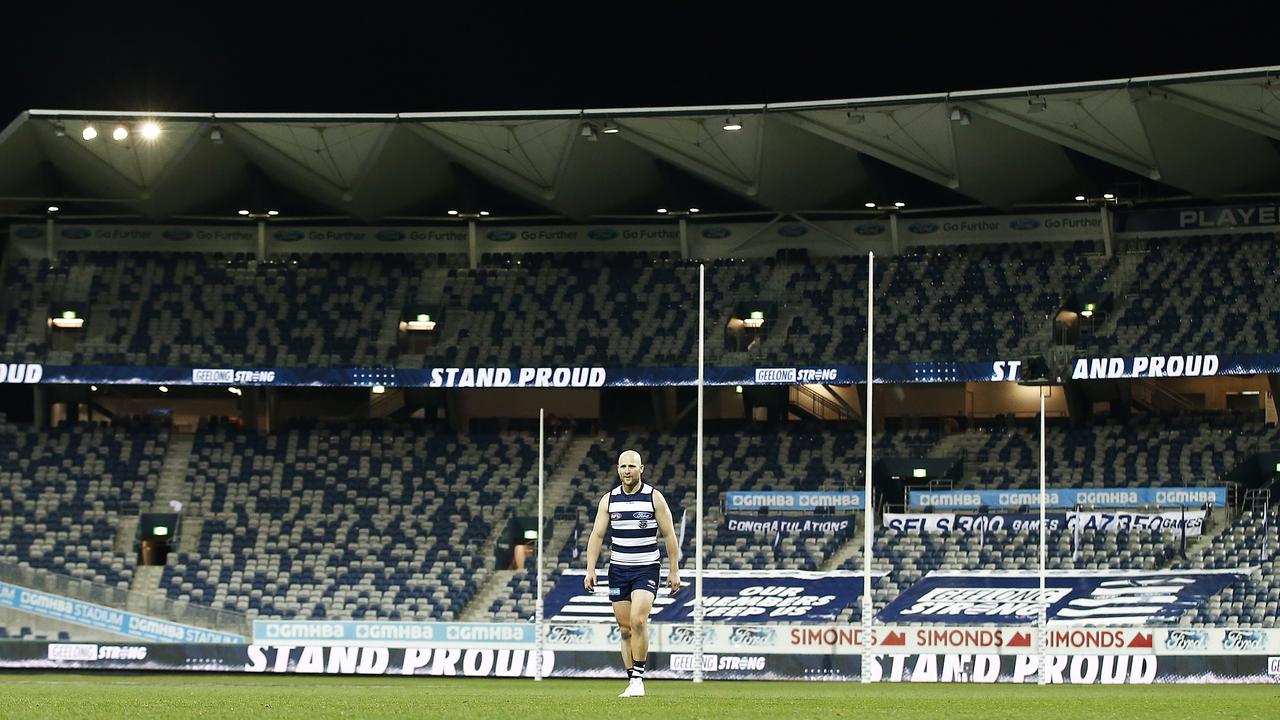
(389, 235)
(176, 234)
(869, 229)
(29, 232)
(76, 233)
(602, 233)
(923, 228)
(1024, 224)
(717, 232)
(792, 231)
(288, 235)
(501, 235)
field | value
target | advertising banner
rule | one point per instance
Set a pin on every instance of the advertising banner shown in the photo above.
(942, 523)
(393, 633)
(594, 377)
(99, 617)
(739, 596)
(1067, 498)
(1075, 597)
(744, 663)
(739, 500)
(1199, 220)
(771, 528)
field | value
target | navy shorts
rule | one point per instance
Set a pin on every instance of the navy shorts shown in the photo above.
(623, 579)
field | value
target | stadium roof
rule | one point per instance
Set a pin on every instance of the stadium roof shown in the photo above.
(1203, 136)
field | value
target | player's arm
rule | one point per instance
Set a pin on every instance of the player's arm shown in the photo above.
(595, 541)
(668, 529)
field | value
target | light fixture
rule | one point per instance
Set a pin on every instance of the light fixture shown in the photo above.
(1079, 198)
(755, 320)
(452, 212)
(89, 132)
(93, 388)
(695, 210)
(662, 211)
(67, 320)
(235, 391)
(215, 136)
(59, 129)
(421, 322)
(378, 389)
(242, 212)
(164, 389)
(960, 115)
(273, 213)
(919, 472)
(150, 130)
(120, 134)
(1250, 392)
(732, 123)
(1088, 310)
(869, 205)
(53, 208)
(1108, 196)
(609, 129)
(899, 204)
(737, 389)
(484, 213)
(588, 132)
(1036, 103)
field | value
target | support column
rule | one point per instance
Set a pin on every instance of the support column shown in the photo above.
(48, 240)
(262, 240)
(1108, 233)
(684, 238)
(471, 244)
(40, 411)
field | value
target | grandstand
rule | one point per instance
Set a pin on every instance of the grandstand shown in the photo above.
(267, 391)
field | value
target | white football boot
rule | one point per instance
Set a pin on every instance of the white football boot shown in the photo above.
(635, 688)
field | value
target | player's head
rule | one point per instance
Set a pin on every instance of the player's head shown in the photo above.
(630, 469)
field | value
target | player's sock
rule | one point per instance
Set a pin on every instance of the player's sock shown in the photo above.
(631, 672)
(637, 669)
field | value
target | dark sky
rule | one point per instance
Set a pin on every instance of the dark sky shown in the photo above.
(358, 57)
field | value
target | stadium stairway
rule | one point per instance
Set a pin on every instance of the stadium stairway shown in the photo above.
(144, 588)
(848, 550)
(1196, 546)
(173, 474)
(496, 586)
(557, 496)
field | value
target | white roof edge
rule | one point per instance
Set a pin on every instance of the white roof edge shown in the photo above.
(119, 114)
(672, 109)
(1209, 74)
(312, 117)
(851, 102)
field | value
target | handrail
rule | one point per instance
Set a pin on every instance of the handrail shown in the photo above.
(818, 406)
(228, 621)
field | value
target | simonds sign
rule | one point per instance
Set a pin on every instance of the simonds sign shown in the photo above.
(21, 372)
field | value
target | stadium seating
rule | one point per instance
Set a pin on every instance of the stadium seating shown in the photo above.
(65, 490)
(368, 520)
(980, 302)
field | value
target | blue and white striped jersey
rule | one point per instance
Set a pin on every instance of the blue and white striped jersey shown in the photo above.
(633, 527)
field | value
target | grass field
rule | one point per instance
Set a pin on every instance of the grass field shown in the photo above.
(160, 697)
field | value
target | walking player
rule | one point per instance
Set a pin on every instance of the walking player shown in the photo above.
(633, 513)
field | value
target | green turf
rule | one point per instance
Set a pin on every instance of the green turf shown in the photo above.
(160, 697)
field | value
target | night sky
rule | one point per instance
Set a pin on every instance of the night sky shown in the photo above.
(219, 57)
